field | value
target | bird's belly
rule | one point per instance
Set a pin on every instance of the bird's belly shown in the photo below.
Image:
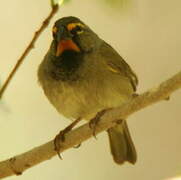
(82, 101)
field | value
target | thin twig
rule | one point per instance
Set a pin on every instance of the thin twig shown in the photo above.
(18, 164)
(28, 49)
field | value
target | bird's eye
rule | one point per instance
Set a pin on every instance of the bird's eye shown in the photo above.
(76, 30)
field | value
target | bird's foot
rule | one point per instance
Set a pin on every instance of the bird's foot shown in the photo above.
(94, 122)
(61, 136)
(57, 145)
(77, 146)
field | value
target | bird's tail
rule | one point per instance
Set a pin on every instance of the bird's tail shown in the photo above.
(121, 144)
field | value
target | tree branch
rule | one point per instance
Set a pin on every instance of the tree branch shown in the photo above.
(20, 163)
(29, 48)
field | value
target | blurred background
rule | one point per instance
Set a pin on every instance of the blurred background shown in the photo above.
(147, 35)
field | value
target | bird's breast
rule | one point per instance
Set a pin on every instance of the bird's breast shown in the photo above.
(84, 98)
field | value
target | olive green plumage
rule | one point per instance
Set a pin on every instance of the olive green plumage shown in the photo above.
(79, 83)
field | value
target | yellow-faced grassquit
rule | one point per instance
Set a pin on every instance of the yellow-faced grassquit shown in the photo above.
(81, 75)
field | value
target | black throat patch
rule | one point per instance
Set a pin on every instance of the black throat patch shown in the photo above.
(67, 65)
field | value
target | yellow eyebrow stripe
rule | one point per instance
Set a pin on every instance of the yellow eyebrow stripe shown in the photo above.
(54, 30)
(73, 25)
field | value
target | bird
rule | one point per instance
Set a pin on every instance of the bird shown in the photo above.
(82, 75)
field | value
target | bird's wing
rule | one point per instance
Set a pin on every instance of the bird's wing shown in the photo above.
(116, 63)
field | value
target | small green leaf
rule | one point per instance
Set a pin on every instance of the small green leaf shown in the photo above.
(58, 2)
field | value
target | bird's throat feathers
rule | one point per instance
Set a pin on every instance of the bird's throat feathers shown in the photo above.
(66, 65)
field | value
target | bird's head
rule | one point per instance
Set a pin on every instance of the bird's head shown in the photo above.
(71, 34)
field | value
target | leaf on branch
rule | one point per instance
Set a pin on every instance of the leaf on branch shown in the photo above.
(58, 2)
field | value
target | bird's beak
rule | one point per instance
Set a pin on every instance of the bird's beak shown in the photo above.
(65, 42)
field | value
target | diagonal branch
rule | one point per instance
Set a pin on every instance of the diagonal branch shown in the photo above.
(29, 48)
(20, 163)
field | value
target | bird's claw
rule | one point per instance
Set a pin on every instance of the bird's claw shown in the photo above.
(61, 136)
(57, 144)
(77, 146)
(94, 122)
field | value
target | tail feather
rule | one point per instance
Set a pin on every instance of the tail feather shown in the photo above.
(121, 144)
